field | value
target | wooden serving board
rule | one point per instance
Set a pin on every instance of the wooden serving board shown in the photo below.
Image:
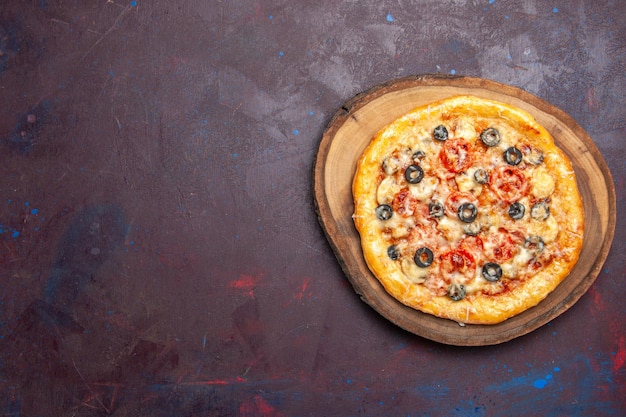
(356, 123)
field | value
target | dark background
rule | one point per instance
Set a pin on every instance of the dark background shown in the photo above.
(160, 253)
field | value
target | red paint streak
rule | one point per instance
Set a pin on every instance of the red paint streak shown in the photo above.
(246, 283)
(303, 288)
(620, 356)
(598, 302)
(257, 407)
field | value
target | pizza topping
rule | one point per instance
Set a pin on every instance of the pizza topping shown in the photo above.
(415, 274)
(472, 229)
(516, 210)
(466, 182)
(456, 155)
(396, 160)
(492, 272)
(458, 263)
(435, 209)
(414, 174)
(456, 199)
(500, 246)
(423, 257)
(542, 183)
(456, 292)
(404, 203)
(393, 252)
(540, 211)
(532, 155)
(508, 183)
(386, 190)
(384, 212)
(467, 212)
(513, 156)
(490, 136)
(425, 189)
(481, 176)
(418, 156)
(534, 243)
(440, 133)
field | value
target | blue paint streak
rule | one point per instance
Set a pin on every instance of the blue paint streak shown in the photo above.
(75, 264)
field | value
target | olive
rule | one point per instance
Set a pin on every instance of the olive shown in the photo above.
(456, 292)
(467, 212)
(440, 133)
(423, 257)
(481, 176)
(418, 155)
(414, 174)
(540, 211)
(533, 156)
(513, 156)
(384, 212)
(490, 136)
(516, 210)
(492, 272)
(393, 253)
(435, 209)
(534, 243)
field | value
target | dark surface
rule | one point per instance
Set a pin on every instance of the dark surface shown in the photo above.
(159, 250)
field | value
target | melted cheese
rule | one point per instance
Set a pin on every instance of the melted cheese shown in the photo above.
(541, 183)
(466, 183)
(424, 189)
(387, 189)
(452, 229)
(548, 229)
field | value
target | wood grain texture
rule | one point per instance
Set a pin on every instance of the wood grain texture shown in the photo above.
(354, 125)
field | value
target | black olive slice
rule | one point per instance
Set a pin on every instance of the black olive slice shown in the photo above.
(384, 212)
(440, 133)
(414, 174)
(490, 136)
(418, 155)
(435, 209)
(513, 156)
(516, 210)
(492, 272)
(423, 257)
(481, 176)
(540, 211)
(467, 212)
(534, 243)
(456, 292)
(393, 253)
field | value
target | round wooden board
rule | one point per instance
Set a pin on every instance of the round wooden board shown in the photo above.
(356, 123)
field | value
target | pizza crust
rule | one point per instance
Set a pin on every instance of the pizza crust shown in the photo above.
(467, 116)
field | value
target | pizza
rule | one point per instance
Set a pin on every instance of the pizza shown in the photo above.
(467, 210)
